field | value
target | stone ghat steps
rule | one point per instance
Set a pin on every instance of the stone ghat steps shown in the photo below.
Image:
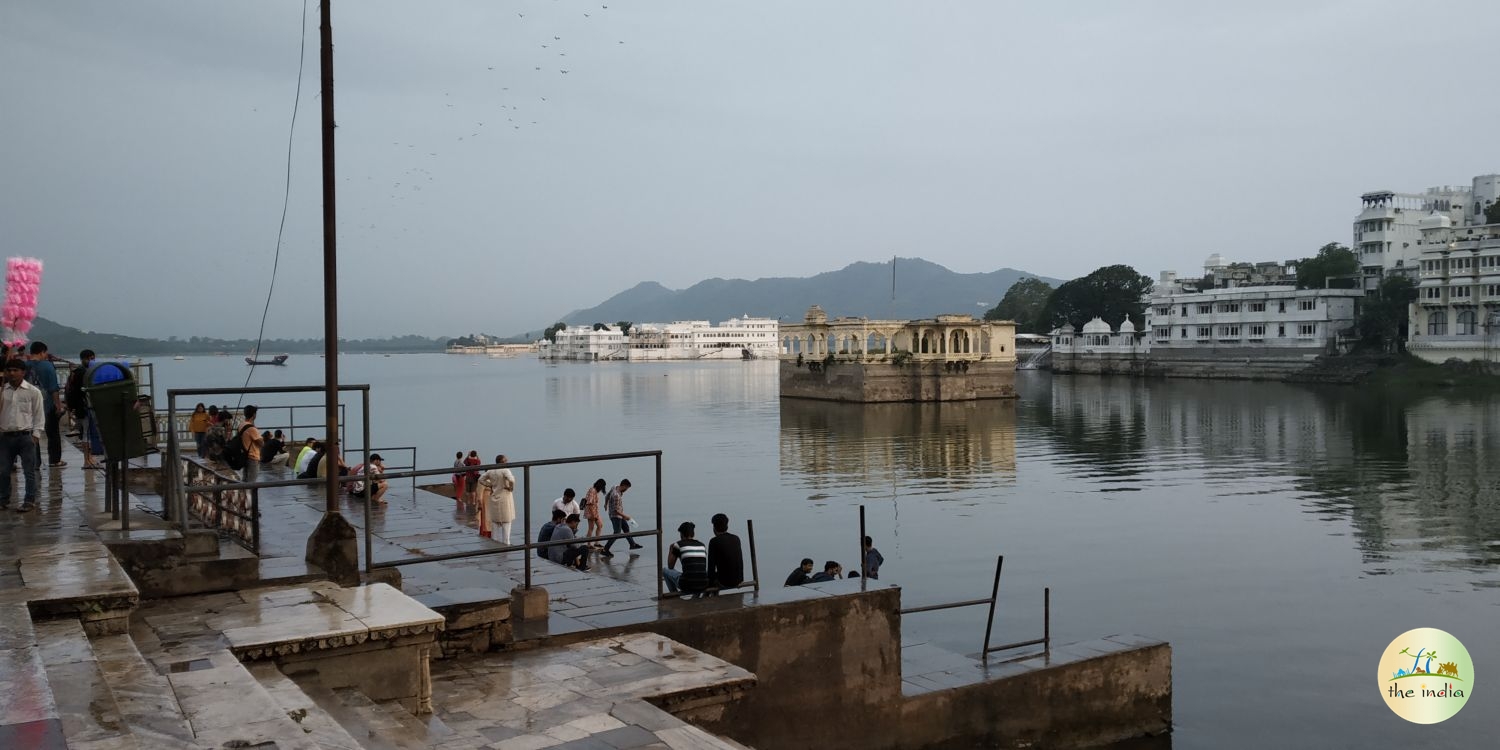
(84, 703)
(374, 726)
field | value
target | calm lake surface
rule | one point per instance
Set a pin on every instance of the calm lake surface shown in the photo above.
(1278, 536)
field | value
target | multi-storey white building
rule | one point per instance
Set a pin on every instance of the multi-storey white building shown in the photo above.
(1249, 319)
(1388, 228)
(736, 338)
(1457, 311)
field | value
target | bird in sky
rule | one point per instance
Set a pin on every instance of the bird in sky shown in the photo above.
(564, 72)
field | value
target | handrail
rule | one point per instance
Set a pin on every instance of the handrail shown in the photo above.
(984, 654)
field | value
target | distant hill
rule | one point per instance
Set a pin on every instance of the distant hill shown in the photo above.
(66, 341)
(923, 289)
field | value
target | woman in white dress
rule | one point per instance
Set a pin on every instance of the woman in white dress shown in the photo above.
(500, 507)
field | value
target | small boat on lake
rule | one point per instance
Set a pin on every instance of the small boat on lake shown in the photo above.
(279, 359)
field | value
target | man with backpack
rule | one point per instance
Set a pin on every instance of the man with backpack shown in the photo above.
(43, 375)
(247, 444)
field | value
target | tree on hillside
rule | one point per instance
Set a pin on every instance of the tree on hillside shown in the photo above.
(1332, 261)
(551, 333)
(1110, 293)
(624, 326)
(1384, 320)
(1023, 303)
(1492, 213)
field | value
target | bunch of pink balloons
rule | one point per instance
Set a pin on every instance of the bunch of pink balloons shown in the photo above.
(23, 281)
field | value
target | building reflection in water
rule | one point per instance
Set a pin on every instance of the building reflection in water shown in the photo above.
(916, 448)
(1407, 470)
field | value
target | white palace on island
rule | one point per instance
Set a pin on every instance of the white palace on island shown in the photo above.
(736, 338)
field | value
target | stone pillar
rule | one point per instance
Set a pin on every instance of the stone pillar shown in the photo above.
(528, 604)
(334, 548)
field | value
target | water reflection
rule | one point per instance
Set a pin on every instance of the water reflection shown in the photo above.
(924, 448)
(1409, 471)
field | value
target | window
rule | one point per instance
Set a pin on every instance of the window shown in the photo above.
(1437, 324)
(1162, 334)
(1461, 292)
(1492, 290)
(1432, 292)
(1184, 331)
(1184, 309)
(1164, 310)
(1204, 332)
(1466, 323)
(1281, 331)
(1307, 330)
(1257, 307)
(1281, 306)
(1229, 307)
(1257, 332)
(1307, 304)
(1229, 332)
(1205, 309)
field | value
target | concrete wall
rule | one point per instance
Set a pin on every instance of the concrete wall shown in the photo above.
(828, 669)
(1262, 364)
(911, 381)
(1092, 702)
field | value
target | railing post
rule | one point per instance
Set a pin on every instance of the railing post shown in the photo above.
(365, 420)
(863, 574)
(526, 519)
(754, 566)
(255, 520)
(660, 557)
(989, 625)
(123, 503)
(1047, 619)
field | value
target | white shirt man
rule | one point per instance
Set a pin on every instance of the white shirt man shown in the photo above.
(22, 421)
(568, 503)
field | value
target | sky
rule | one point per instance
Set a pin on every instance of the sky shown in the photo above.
(481, 188)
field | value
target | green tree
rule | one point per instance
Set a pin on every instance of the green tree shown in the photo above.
(551, 333)
(1384, 320)
(1110, 293)
(624, 326)
(1333, 260)
(1023, 303)
(1492, 213)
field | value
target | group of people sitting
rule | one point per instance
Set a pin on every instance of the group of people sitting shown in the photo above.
(315, 458)
(706, 568)
(833, 571)
(568, 512)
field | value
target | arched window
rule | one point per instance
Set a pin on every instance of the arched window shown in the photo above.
(1437, 323)
(1466, 323)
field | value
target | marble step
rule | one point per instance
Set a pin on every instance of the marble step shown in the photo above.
(301, 708)
(227, 707)
(143, 695)
(85, 705)
(377, 726)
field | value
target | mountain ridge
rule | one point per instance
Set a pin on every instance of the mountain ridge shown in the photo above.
(863, 288)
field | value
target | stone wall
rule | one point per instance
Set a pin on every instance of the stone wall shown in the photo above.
(1265, 364)
(827, 668)
(913, 380)
(1091, 702)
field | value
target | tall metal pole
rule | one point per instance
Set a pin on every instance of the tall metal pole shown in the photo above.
(330, 264)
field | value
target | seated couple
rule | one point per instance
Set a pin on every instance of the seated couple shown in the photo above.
(563, 527)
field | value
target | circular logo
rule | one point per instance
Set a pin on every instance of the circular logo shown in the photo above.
(1426, 676)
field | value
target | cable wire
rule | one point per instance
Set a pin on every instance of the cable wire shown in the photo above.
(286, 200)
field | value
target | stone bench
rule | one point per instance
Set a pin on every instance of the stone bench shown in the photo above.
(373, 638)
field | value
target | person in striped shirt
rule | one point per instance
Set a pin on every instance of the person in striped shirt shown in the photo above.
(693, 578)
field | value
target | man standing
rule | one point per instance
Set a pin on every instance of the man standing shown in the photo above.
(614, 502)
(251, 440)
(501, 508)
(726, 559)
(78, 404)
(22, 421)
(44, 376)
(693, 578)
(873, 559)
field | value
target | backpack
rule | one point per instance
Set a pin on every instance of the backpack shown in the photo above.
(234, 453)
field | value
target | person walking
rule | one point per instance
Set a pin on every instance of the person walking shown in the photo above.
(43, 375)
(614, 504)
(591, 500)
(500, 510)
(198, 424)
(78, 405)
(694, 577)
(23, 419)
(726, 559)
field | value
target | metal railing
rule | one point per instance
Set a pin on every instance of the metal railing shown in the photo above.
(527, 545)
(984, 654)
(220, 502)
(266, 421)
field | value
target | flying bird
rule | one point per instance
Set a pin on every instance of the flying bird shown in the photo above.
(564, 71)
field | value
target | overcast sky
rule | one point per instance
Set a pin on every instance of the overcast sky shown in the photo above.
(143, 145)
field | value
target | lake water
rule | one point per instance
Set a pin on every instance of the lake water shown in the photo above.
(1278, 536)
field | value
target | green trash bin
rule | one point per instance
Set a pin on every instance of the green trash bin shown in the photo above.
(111, 393)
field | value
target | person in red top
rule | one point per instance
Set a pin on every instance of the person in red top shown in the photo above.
(471, 478)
